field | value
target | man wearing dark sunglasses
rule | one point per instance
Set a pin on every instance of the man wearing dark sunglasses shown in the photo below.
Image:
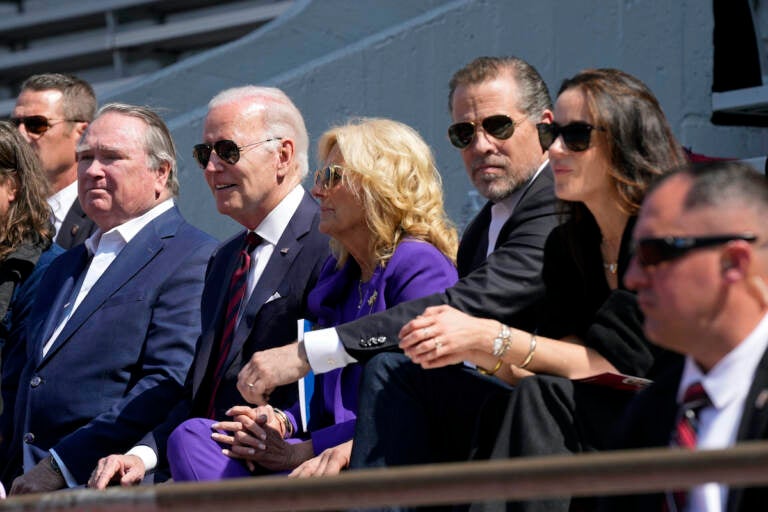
(700, 269)
(52, 112)
(495, 104)
(254, 157)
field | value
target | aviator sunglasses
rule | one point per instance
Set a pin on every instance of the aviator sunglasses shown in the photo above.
(576, 135)
(652, 251)
(228, 150)
(329, 176)
(38, 125)
(498, 126)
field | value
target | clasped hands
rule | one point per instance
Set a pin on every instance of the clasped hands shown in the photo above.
(256, 436)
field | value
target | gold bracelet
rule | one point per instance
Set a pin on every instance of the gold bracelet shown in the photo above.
(531, 350)
(490, 372)
(286, 422)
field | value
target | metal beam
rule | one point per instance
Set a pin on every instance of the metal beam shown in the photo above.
(617, 472)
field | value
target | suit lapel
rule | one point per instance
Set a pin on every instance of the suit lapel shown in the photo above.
(474, 242)
(544, 180)
(134, 256)
(76, 261)
(754, 421)
(275, 273)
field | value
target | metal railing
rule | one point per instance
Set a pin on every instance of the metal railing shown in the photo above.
(604, 473)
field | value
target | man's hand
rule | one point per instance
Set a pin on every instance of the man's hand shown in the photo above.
(41, 478)
(124, 469)
(272, 368)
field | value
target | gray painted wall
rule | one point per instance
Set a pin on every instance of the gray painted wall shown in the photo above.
(393, 58)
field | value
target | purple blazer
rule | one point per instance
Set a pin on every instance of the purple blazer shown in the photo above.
(416, 269)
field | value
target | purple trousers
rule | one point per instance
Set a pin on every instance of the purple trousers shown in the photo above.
(194, 456)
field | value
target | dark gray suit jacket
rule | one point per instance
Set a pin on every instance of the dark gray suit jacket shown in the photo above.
(75, 228)
(650, 421)
(506, 286)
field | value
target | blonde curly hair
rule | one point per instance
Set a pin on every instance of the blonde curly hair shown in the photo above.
(396, 179)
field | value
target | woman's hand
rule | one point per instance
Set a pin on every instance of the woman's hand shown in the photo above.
(443, 335)
(330, 462)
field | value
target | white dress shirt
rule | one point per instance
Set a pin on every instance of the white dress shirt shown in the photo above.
(270, 230)
(60, 203)
(104, 248)
(325, 351)
(727, 385)
(502, 211)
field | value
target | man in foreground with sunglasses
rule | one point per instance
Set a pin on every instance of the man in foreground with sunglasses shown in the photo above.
(254, 158)
(495, 105)
(52, 112)
(700, 269)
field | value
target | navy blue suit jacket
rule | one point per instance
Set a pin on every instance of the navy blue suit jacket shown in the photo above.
(120, 362)
(269, 320)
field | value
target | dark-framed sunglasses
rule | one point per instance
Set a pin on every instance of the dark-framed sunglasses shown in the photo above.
(38, 125)
(228, 150)
(652, 251)
(576, 135)
(499, 126)
(329, 176)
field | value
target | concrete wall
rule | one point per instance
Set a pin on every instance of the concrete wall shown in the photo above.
(393, 58)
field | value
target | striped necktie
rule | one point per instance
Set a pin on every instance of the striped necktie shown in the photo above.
(685, 435)
(237, 288)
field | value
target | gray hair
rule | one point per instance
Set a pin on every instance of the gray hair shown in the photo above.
(281, 117)
(159, 144)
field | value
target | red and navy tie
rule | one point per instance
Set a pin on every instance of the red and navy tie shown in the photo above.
(686, 432)
(237, 288)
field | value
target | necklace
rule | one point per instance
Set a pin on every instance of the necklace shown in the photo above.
(360, 293)
(371, 300)
(611, 268)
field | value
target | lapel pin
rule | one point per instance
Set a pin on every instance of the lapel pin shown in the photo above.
(762, 399)
(284, 250)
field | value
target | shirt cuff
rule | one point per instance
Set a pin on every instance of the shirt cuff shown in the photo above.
(147, 456)
(71, 482)
(325, 351)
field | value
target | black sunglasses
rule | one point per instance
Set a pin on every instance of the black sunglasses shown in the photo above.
(652, 251)
(38, 125)
(228, 150)
(329, 176)
(498, 126)
(576, 135)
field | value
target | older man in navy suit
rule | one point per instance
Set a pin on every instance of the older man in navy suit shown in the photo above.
(701, 272)
(110, 344)
(254, 157)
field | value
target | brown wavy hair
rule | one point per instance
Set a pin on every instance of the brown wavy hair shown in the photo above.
(29, 216)
(640, 142)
